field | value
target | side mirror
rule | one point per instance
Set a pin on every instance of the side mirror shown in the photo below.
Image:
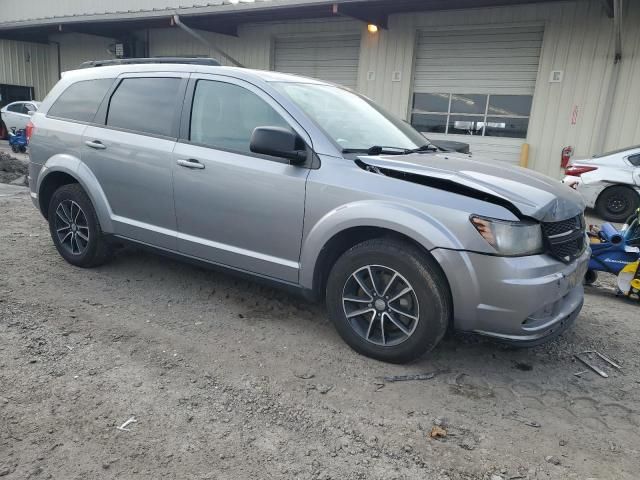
(31, 112)
(278, 142)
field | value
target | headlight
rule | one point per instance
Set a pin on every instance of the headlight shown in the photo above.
(510, 238)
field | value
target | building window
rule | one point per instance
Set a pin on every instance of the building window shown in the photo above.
(472, 114)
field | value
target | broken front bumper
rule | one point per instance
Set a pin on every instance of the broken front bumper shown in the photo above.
(525, 300)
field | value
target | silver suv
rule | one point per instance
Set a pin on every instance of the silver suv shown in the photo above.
(313, 187)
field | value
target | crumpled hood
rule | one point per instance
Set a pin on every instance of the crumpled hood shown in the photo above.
(531, 193)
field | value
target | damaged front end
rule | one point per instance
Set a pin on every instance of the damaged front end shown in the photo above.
(545, 207)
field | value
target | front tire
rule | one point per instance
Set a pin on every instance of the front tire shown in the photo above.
(616, 204)
(388, 300)
(75, 229)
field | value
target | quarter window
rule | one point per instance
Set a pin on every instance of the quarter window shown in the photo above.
(635, 160)
(146, 105)
(224, 116)
(472, 114)
(81, 100)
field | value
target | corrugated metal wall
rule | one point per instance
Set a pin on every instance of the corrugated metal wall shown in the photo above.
(26, 64)
(76, 48)
(254, 45)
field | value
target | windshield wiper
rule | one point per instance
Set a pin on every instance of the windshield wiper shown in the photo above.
(428, 147)
(379, 149)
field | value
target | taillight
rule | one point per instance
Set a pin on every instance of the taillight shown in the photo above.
(577, 170)
(30, 130)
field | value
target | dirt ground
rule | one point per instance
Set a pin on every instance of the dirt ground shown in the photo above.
(12, 168)
(228, 379)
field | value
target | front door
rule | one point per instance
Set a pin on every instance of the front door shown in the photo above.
(131, 155)
(234, 207)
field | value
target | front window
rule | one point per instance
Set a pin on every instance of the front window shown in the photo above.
(224, 116)
(350, 120)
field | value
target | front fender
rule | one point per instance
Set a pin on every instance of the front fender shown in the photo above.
(74, 167)
(415, 224)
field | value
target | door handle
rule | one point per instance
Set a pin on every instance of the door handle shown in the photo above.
(191, 163)
(97, 144)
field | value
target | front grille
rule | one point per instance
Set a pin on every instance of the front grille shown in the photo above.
(565, 240)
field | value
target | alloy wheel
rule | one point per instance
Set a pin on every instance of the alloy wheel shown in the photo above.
(72, 228)
(380, 305)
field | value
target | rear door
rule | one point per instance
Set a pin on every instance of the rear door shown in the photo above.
(130, 153)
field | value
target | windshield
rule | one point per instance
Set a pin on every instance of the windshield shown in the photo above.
(350, 120)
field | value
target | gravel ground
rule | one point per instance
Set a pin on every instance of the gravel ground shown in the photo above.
(231, 380)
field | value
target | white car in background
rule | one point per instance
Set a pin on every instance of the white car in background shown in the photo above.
(16, 114)
(609, 182)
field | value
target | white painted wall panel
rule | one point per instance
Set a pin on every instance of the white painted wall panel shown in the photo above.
(26, 64)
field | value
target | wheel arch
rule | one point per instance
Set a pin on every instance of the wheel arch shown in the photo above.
(345, 227)
(342, 241)
(63, 170)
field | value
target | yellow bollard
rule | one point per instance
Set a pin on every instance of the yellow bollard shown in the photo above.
(524, 155)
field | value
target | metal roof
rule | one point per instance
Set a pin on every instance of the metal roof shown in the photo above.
(224, 16)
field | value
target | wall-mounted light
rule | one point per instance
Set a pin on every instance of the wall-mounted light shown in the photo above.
(372, 28)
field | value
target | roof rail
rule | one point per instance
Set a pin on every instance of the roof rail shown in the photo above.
(133, 61)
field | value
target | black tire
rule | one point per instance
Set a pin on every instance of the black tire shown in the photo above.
(616, 204)
(14, 148)
(430, 291)
(97, 250)
(590, 277)
(23, 149)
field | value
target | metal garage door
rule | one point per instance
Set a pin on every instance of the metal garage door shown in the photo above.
(333, 58)
(476, 86)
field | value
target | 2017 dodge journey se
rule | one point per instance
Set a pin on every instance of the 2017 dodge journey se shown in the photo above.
(311, 186)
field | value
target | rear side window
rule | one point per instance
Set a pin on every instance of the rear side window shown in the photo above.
(16, 108)
(635, 160)
(81, 100)
(145, 105)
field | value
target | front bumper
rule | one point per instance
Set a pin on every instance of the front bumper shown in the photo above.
(526, 300)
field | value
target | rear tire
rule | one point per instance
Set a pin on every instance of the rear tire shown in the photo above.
(395, 328)
(14, 148)
(616, 204)
(75, 228)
